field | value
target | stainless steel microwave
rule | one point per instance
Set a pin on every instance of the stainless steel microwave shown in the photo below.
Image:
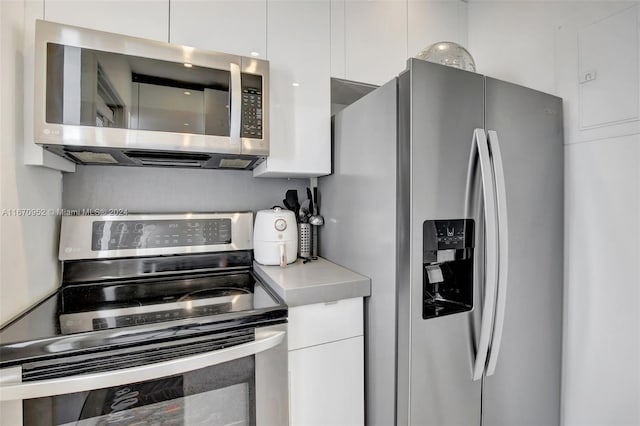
(103, 98)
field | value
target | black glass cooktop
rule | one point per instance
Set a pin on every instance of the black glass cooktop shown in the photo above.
(127, 312)
(123, 304)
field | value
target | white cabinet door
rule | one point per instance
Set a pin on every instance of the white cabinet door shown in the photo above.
(138, 18)
(337, 39)
(298, 49)
(371, 40)
(238, 27)
(326, 384)
(433, 21)
(375, 40)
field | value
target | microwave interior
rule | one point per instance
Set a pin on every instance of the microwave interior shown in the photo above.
(106, 89)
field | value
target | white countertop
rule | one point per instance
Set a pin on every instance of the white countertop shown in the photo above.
(317, 281)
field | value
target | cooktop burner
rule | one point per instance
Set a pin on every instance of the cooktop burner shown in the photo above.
(122, 294)
(124, 304)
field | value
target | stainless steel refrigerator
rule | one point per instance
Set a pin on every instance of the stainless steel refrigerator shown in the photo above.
(447, 191)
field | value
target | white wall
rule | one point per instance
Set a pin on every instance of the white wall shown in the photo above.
(602, 255)
(535, 44)
(28, 245)
(602, 314)
(514, 40)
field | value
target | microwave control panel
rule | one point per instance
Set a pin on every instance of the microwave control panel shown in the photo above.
(251, 106)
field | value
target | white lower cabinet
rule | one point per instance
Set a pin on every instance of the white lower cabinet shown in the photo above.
(326, 384)
(326, 364)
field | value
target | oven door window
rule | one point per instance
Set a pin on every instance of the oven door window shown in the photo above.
(223, 394)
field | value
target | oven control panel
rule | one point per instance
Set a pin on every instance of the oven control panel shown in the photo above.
(147, 234)
(136, 234)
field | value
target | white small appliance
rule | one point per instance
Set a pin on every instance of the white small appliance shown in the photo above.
(275, 237)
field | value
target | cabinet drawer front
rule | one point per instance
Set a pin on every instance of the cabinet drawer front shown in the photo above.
(325, 322)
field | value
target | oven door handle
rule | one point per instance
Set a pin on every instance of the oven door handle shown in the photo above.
(88, 382)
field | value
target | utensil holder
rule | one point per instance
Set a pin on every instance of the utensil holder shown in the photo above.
(304, 240)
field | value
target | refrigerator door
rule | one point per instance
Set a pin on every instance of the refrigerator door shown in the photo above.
(439, 110)
(525, 387)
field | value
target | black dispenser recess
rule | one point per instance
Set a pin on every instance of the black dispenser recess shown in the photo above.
(447, 267)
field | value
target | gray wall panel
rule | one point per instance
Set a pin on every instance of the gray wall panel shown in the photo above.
(164, 190)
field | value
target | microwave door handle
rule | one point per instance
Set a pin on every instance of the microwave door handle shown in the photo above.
(480, 148)
(88, 382)
(503, 250)
(236, 103)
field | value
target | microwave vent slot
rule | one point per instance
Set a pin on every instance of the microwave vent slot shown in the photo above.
(170, 163)
(168, 159)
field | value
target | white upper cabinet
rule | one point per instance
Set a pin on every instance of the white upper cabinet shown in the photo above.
(433, 21)
(298, 49)
(337, 39)
(371, 40)
(143, 18)
(306, 42)
(238, 27)
(375, 40)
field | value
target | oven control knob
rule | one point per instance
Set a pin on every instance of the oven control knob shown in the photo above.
(280, 225)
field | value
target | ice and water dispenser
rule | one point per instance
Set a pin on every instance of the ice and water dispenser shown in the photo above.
(447, 267)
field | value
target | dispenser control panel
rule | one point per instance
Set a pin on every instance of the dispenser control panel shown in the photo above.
(452, 234)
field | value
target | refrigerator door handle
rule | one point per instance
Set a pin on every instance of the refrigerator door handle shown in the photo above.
(503, 251)
(480, 147)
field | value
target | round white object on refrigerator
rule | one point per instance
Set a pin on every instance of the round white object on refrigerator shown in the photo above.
(275, 237)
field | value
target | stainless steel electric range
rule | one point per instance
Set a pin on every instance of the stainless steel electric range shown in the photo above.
(159, 320)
